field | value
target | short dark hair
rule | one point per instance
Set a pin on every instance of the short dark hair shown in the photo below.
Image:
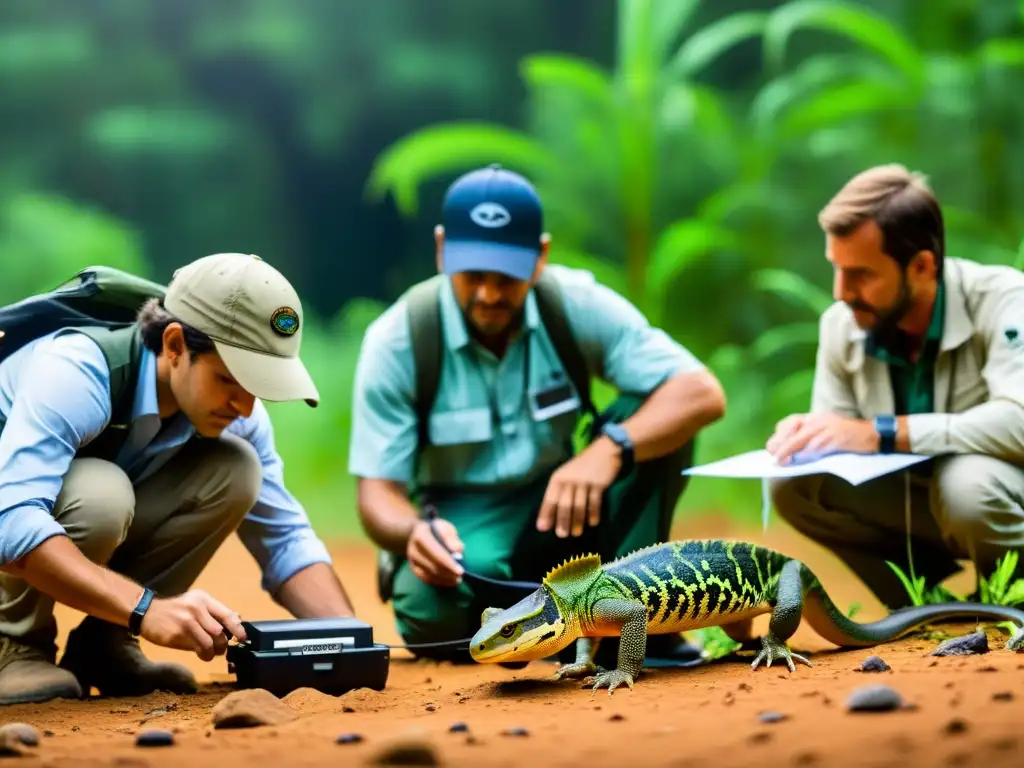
(153, 320)
(900, 203)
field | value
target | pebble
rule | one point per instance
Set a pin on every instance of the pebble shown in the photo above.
(516, 732)
(23, 732)
(874, 698)
(349, 738)
(966, 645)
(873, 664)
(771, 717)
(458, 728)
(956, 725)
(1003, 696)
(154, 737)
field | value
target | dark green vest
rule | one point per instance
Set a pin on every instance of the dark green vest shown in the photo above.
(122, 349)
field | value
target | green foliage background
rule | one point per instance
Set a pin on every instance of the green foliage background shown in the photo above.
(682, 149)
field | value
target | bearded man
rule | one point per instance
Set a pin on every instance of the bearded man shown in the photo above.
(923, 354)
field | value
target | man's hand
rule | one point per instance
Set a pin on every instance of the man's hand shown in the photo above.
(193, 621)
(821, 433)
(574, 491)
(428, 559)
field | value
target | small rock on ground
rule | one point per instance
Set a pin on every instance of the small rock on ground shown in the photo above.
(154, 737)
(17, 739)
(250, 708)
(409, 749)
(873, 664)
(771, 717)
(966, 645)
(874, 698)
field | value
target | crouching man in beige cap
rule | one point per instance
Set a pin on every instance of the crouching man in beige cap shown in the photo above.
(126, 458)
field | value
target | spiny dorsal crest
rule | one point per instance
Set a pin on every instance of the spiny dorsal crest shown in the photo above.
(576, 571)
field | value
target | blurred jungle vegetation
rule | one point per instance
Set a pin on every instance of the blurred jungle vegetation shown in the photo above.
(682, 149)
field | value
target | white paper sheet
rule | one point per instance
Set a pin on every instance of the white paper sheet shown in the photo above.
(855, 468)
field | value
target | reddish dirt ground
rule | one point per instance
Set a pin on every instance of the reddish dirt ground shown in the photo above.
(689, 717)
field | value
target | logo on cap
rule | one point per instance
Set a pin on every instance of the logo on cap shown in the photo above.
(285, 321)
(490, 215)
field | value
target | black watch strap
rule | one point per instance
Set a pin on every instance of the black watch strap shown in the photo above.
(618, 435)
(135, 620)
(886, 426)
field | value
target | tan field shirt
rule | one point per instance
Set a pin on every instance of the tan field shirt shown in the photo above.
(978, 375)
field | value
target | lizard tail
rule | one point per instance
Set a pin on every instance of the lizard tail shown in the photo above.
(829, 622)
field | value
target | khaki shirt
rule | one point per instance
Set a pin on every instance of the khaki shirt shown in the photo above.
(979, 372)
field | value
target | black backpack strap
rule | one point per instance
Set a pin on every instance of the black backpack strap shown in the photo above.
(552, 312)
(122, 349)
(426, 336)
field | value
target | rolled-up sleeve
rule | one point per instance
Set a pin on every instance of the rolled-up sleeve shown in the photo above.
(62, 401)
(384, 436)
(277, 531)
(996, 427)
(618, 341)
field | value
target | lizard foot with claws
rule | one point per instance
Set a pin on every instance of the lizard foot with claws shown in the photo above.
(579, 669)
(772, 649)
(612, 679)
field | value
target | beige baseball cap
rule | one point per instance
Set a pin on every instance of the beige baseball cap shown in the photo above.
(254, 317)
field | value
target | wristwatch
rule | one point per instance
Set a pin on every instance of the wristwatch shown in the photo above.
(618, 435)
(886, 427)
(135, 620)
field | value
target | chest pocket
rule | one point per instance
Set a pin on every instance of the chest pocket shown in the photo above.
(459, 446)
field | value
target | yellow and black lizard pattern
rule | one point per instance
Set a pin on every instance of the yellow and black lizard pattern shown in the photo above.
(683, 585)
(690, 584)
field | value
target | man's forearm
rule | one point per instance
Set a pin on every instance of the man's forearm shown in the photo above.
(994, 428)
(59, 569)
(674, 414)
(387, 515)
(315, 592)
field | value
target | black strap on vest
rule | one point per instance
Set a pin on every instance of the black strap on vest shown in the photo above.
(427, 339)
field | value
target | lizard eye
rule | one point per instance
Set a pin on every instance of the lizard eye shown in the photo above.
(508, 630)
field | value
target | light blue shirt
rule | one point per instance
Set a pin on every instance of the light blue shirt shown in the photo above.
(487, 428)
(55, 396)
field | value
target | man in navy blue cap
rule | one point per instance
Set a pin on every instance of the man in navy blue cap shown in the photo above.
(468, 396)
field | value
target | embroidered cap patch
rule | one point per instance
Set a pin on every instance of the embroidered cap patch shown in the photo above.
(285, 321)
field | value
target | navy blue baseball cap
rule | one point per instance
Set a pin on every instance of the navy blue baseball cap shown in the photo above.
(492, 223)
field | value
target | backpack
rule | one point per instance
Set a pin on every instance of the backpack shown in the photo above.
(424, 314)
(102, 303)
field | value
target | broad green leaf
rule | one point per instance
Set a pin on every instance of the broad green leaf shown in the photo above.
(810, 77)
(861, 25)
(1001, 51)
(669, 19)
(783, 337)
(605, 272)
(47, 50)
(793, 287)
(842, 102)
(678, 247)
(577, 75)
(126, 130)
(707, 44)
(448, 148)
(794, 391)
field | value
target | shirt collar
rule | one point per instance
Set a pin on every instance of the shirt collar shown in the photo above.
(935, 337)
(146, 403)
(455, 333)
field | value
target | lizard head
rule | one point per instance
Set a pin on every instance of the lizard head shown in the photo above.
(541, 624)
(531, 629)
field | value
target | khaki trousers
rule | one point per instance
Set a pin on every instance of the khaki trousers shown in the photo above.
(969, 508)
(161, 533)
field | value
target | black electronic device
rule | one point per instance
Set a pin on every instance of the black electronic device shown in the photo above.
(330, 655)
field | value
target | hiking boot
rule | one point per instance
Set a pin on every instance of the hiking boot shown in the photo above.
(29, 674)
(106, 656)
